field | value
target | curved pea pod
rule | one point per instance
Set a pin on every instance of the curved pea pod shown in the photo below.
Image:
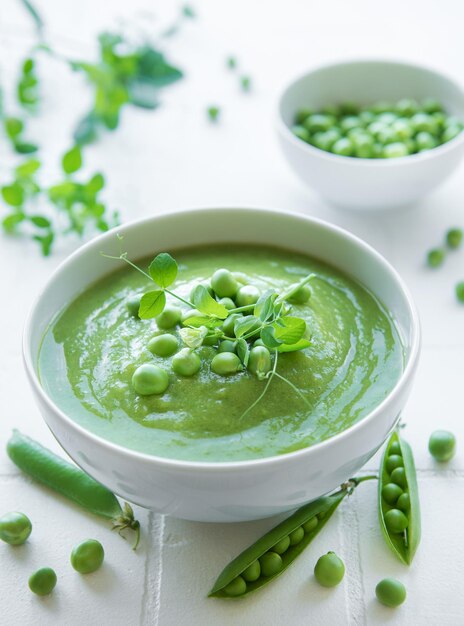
(70, 481)
(404, 544)
(314, 516)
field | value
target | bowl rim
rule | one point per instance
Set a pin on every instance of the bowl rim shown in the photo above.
(286, 132)
(224, 466)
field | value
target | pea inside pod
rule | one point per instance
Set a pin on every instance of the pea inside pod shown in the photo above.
(399, 508)
(279, 547)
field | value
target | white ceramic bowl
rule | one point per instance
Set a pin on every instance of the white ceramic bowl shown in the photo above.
(242, 490)
(369, 184)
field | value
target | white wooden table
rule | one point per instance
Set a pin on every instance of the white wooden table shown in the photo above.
(174, 158)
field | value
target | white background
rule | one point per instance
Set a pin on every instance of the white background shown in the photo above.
(175, 158)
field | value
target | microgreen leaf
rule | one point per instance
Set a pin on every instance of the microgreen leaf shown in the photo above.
(24, 147)
(294, 347)
(203, 301)
(151, 304)
(27, 168)
(213, 113)
(72, 160)
(197, 321)
(86, 129)
(289, 329)
(264, 307)
(40, 221)
(13, 126)
(245, 324)
(45, 242)
(193, 337)
(243, 351)
(268, 338)
(13, 194)
(96, 183)
(163, 270)
(11, 221)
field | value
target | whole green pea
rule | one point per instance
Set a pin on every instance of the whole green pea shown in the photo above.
(227, 346)
(395, 150)
(163, 345)
(422, 122)
(396, 521)
(435, 257)
(407, 107)
(224, 284)
(246, 295)
(150, 379)
(391, 493)
(226, 364)
(301, 295)
(296, 536)
(350, 122)
(398, 476)
(259, 362)
(282, 546)
(310, 525)
(191, 313)
(459, 290)
(205, 284)
(395, 448)
(271, 563)
(88, 556)
(228, 303)
(169, 317)
(133, 305)
(431, 105)
(15, 528)
(211, 339)
(228, 326)
(402, 129)
(236, 587)
(43, 581)
(258, 342)
(390, 592)
(451, 132)
(425, 141)
(343, 147)
(186, 362)
(403, 503)
(302, 114)
(317, 123)
(252, 572)
(394, 460)
(329, 570)
(454, 237)
(442, 445)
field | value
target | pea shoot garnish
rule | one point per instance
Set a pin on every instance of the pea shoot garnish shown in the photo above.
(250, 329)
(213, 113)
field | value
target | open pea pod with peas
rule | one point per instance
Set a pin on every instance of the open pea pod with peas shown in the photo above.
(399, 507)
(271, 555)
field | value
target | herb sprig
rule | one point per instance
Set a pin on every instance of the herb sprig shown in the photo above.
(270, 318)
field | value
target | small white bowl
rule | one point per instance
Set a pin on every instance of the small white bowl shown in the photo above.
(369, 184)
(234, 491)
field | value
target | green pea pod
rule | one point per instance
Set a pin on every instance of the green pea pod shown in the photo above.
(70, 481)
(314, 516)
(403, 542)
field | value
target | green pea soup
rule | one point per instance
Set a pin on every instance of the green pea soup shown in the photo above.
(92, 348)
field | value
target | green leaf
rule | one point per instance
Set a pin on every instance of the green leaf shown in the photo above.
(13, 194)
(27, 168)
(197, 321)
(46, 242)
(163, 269)
(243, 351)
(213, 113)
(40, 221)
(245, 324)
(264, 307)
(203, 301)
(95, 184)
(188, 11)
(12, 221)
(13, 126)
(289, 329)
(153, 68)
(294, 347)
(268, 338)
(63, 193)
(72, 160)
(86, 130)
(23, 147)
(152, 304)
(28, 66)
(193, 337)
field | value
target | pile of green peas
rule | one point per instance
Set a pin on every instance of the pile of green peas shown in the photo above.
(379, 131)
(86, 557)
(229, 290)
(395, 493)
